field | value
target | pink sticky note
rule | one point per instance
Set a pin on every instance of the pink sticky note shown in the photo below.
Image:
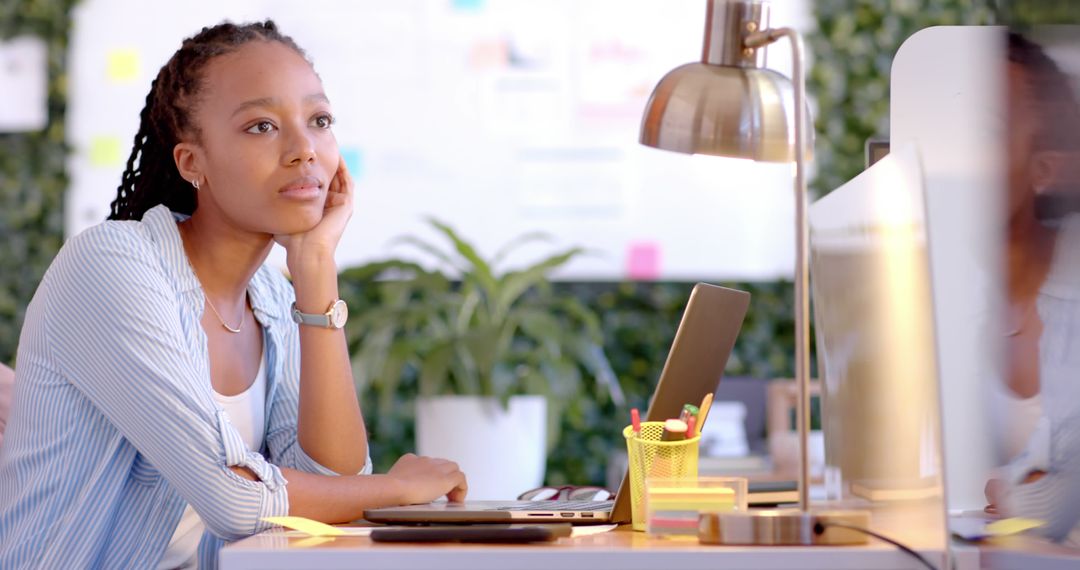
(643, 260)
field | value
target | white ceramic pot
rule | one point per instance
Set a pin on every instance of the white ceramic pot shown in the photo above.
(501, 451)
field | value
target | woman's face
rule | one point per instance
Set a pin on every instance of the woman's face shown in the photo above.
(265, 153)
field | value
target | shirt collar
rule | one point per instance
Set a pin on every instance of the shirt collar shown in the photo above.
(161, 223)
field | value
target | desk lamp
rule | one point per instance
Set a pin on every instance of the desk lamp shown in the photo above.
(730, 105)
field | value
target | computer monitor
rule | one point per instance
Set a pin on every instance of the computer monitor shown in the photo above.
(875, 336)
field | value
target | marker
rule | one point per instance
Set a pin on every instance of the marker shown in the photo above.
(688, 411)
(674, 430)
(690, 427)
(635, 420)
(703, 414)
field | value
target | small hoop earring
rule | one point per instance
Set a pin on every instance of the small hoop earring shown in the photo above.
(195, 183)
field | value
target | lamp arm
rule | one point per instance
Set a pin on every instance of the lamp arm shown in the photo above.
(761, 39)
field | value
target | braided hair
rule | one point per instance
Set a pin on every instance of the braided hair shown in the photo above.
(1055, 101)
(151, 177)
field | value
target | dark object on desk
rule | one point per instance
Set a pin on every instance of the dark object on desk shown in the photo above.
(771, 493)
(486, 533)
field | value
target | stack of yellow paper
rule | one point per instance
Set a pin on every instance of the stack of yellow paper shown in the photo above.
(675, 509)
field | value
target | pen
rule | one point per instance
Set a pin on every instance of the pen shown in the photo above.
(635, 420)
(690, 427)
(703, 414)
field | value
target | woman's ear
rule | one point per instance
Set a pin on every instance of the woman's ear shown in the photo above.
(1047, 168)
(188, 158)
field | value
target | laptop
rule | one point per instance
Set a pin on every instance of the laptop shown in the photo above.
(694, 365)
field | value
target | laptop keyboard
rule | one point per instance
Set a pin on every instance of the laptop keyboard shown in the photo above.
(560, 506)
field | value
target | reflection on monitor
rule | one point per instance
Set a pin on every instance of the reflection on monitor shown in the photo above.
(875, 339)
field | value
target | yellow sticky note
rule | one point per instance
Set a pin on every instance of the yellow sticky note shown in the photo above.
(123, 65)
(105, 151)
(311, 541)
(1005, 527)
(308, 526)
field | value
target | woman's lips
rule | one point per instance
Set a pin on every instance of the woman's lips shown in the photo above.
(304, 188)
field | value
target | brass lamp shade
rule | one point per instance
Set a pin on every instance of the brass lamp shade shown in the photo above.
(720, 110)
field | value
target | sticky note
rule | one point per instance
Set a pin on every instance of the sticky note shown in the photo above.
(308, 526)
(643, 260)
(123, 65)
(311, 541)
(105, 152)
(468, 5)
(354, 161)
(1005, 527)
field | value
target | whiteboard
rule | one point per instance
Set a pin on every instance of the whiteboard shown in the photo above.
(497, 116)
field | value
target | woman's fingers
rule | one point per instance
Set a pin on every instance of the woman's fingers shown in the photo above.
(342, 182)
(461, 488)
(334, 199)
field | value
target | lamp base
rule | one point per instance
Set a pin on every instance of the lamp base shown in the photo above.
(783, 527)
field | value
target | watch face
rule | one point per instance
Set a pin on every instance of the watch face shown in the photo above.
(339, 314)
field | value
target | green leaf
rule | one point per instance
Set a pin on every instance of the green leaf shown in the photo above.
(445, 258)
(434, 372)
(480, 269)
(515, 283)
(517, 242)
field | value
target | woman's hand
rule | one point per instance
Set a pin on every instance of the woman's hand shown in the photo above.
(322, 240)
(424, 479)
(996, 489)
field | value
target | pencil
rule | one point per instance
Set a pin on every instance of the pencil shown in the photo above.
(703, 414)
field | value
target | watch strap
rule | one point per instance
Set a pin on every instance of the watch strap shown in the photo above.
(312, 319)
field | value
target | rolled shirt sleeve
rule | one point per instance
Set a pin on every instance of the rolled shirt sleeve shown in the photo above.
(1055, 497)
(116, 332)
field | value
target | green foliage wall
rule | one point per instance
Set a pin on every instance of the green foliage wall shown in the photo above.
(1024, 13)
(32, 172)
(852, 52)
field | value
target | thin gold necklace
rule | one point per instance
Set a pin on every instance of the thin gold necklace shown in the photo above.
(221, 320)
(1022, 321)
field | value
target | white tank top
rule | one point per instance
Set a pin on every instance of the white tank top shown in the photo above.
(247, 413)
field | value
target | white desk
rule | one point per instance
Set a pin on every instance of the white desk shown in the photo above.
(621, 549)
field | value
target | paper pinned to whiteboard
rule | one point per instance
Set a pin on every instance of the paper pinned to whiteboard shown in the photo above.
(24, 76)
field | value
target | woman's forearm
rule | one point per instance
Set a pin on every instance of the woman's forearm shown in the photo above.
(340, 499)
(330, 426)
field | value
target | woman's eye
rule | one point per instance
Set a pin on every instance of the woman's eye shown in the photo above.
(324, 121)
(262, 127)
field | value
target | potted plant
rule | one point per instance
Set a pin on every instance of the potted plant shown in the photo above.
(494, 353)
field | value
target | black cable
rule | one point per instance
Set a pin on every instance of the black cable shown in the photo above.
(819, 528)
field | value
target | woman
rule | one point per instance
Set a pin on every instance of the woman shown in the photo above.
(145, 427)
(1043, 295)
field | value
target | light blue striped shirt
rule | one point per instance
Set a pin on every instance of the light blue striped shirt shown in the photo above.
(1055, 498)
(114, 428)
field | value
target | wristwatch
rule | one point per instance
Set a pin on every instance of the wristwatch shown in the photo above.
(334, 317)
